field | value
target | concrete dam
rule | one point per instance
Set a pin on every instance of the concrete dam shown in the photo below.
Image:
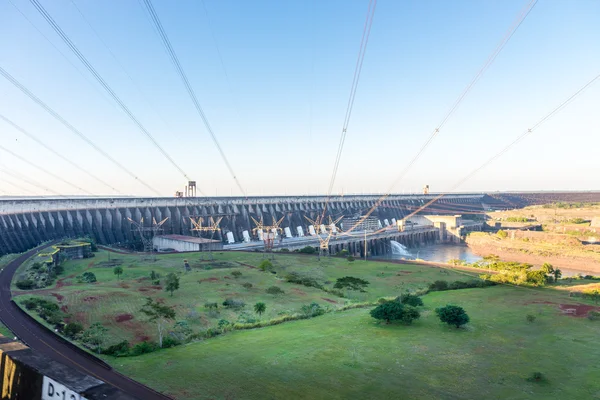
(25, 223)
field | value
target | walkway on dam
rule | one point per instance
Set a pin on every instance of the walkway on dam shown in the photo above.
(45, 342)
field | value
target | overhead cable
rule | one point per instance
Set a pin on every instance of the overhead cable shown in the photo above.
(63, 121)
(357, 70)
(51, 150)
(175, 60)
(102, 82)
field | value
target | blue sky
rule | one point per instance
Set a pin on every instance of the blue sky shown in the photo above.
(277, 100)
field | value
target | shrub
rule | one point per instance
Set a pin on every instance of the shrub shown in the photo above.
(312, 310)
(410, 299)
(246, 318)
(247, 285)
(144, 348)
(351, 283)
(36, 265)
(307, 250)
(265, 265)
(274, 290)
(25, 284)
(236, 274)
(593, 315)
(284, 250)
(452, 315)
(31, 304)
(530, 317)
(502, 234)
(343, 253)
(439, 285)
(536, 377)
(223, 324)
(72, 329)
(118, 350)
(233, 303)
(170, 342)
(87, 277)
(395, 311)
(350, 258)
(211, 306)
(302, 279)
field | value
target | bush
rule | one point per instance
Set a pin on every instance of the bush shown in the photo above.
(25, 284)
(312, 310)
(536, 377)
(72, 329)
(170, 342)
(593, 315)
(247, 285)
(439, 285)
(307, 250)
(302, 279)
(452, 315)
(502, 234)
(343, 253)
(144, 348)
(36, 266)
(31, 304)
(236, 274)
(351, 283)
(410, 299)
(274, 290)
(395, 311)
(530, 317)
(118, 350)
(223, 324)
(233, 303)
(87, 277)
(211, 306)
(284, 250)
(265, 265)
(350, 258)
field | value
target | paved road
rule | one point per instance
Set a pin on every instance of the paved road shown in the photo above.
(47, 343)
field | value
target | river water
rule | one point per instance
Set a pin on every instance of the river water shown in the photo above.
(435, 253)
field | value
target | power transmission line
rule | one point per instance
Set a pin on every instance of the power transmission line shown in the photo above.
(509, 34)
(60, 119)
(102, 82)
(17, 186)
(43, 170)
(32, 137)
(31, 182)
(357, 70)
(490, 160)
(190, 90)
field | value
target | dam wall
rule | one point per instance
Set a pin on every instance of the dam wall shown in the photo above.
(25, 223)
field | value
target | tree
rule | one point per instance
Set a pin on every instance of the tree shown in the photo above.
(502, 234)
(265, 265)
(260, 308)
(557, 274)
(94, 336)
(395, 311)
(172, 283)
(410, 299)
(547, 268)
(352, 283)
(72, 329)
(118, 271)
(158, 313)
(452, 315)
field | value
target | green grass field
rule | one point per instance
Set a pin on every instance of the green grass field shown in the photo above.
(348, 355)
(116, 302)
(342, 354)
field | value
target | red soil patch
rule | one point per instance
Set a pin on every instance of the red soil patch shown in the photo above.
(90, 298)
(59, 297)
(402, 273)
(144, 289)
(246, 265)
(226, 277)
(124, 285)
(123, 317)
(145, 278)
(329, 300)
(298, 292)
(581, 310)
(61, 283)
(64, 309)
(213, 279)
(140, 337)
(156, 287)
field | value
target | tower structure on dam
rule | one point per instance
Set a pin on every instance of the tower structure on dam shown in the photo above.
(25, 223)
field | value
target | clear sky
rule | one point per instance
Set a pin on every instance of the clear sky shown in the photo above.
(277, 99)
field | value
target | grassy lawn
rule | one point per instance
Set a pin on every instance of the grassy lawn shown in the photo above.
(116, 302)
(348, 355)
(4, 331)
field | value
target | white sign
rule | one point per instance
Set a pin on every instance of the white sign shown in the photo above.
(52, 390)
